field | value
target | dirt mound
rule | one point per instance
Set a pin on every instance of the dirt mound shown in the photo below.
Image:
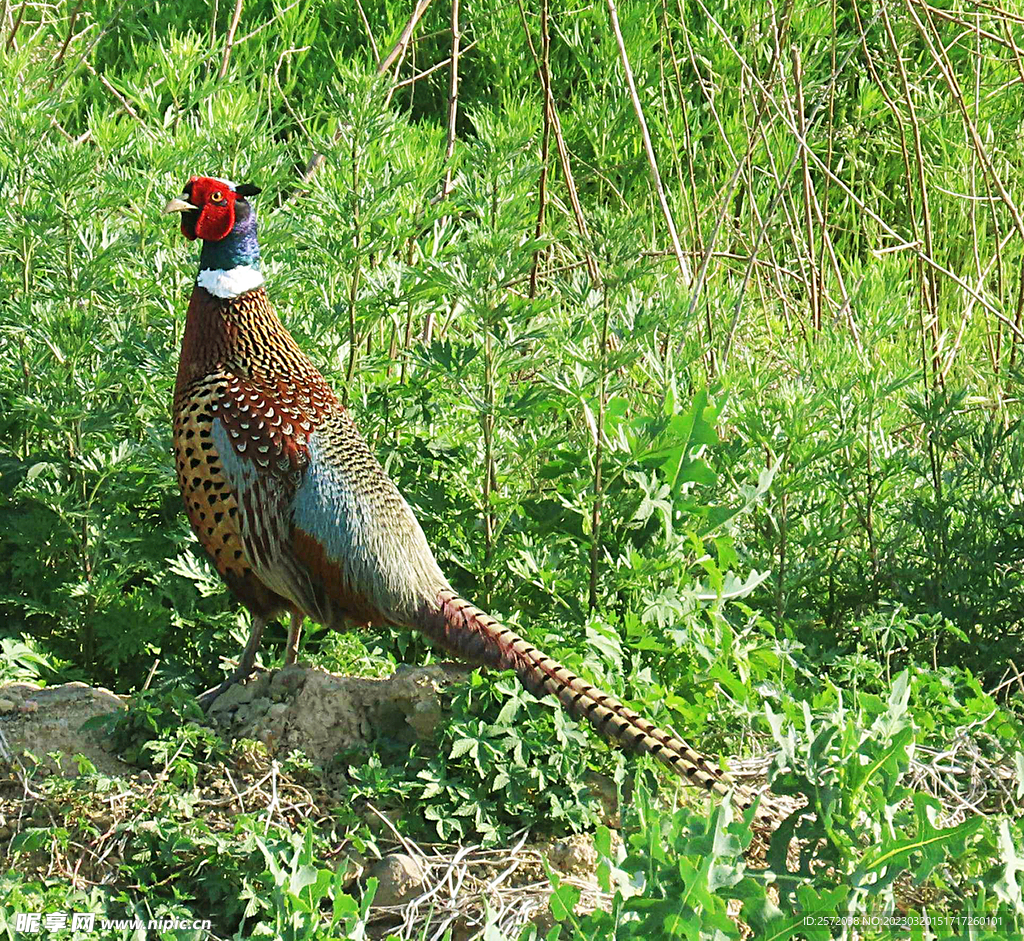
(48, 722)
(295, 708)
(322, 714)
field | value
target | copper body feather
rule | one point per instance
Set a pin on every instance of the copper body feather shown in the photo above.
(298, 516)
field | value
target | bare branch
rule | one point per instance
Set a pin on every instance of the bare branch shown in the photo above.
(67, 39)
(390, 59)
(545, 147)
(419, 76)
(403, 39)
(230, 41)
(17, 25)
(684, 268)
(369, 33)
(121, 99)
(563, 151)
(453, 99)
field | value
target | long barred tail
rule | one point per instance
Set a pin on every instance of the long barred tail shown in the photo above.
(465, 630)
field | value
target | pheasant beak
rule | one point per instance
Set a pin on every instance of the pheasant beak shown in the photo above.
(178, 205)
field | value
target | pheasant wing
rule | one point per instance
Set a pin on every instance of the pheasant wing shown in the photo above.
(264, 458)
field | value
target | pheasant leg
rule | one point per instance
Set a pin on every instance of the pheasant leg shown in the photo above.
(243, 669)
(294, 636)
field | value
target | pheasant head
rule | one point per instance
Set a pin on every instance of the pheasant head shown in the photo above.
(218, 212)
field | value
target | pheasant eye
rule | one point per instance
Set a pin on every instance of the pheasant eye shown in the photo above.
(217, 197)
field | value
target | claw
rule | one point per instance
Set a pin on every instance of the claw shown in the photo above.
(243, 669)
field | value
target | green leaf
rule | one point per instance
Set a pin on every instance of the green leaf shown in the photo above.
(563, 901)
(859, 774)
(464, 746)
(930, 843)
(31, 839)
(1008, 886)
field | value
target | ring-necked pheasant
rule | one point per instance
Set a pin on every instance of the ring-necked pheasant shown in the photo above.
(295, 511)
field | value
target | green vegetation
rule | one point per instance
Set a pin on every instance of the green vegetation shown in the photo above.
(768, 489)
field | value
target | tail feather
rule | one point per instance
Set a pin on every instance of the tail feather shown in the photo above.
(469, 632)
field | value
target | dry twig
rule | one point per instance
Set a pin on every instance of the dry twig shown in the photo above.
(684, 268)
(229, 42)
(563, 152)
(397, 51)
(453, 99)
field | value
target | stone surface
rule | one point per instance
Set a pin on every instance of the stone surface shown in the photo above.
(576, 855)
(50, 720)
(321, 714)
(401, 878)
(233, 697)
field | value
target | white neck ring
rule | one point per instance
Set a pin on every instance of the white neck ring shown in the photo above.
(231, 282)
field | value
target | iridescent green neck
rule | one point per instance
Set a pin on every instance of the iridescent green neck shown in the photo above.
(231, 267)
(239, 249)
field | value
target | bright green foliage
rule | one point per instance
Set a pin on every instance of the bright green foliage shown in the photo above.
(159, 730)
(770, 494)
(679, 870)
(298, 886)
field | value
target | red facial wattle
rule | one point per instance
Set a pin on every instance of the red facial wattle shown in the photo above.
(214, 217)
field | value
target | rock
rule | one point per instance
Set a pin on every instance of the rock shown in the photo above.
(603, 788)
(232, 697)
(574, 856)
(401, 878)
(298, 707)
(424, 718)
(7, 705)
(260, 685)
(322, 714)
(284, 683)
(50, 721)
(352, 864)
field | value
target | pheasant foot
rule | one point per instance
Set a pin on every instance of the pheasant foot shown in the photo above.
(244, 668)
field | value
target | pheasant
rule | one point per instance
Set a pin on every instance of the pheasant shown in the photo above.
(296, 513)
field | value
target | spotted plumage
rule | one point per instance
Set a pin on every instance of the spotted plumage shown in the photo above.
(295, 511)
